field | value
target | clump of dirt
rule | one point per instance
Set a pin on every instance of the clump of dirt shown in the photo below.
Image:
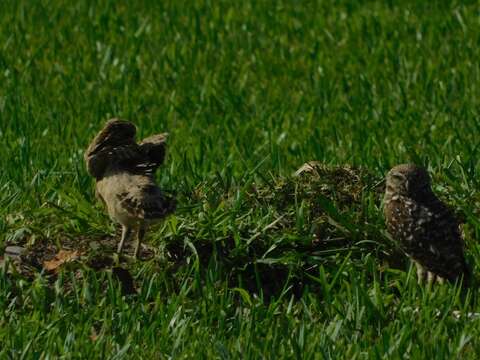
(314, 216)
(345, 185)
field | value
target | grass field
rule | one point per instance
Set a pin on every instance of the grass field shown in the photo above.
(255, 263)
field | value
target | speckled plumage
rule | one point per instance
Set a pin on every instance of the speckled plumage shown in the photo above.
(425, 227)
(124, 173)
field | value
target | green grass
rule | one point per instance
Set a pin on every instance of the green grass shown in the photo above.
(249, 90)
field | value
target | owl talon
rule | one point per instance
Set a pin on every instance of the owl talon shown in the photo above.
(421, 273)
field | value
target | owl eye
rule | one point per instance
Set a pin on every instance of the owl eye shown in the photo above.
(398, 177)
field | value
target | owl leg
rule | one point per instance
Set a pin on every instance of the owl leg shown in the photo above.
(431, 277)
(140, 235)
(421, 273)
(440, 280)
(126, 233)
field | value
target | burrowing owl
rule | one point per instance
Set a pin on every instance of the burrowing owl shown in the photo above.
(124, 173)
(425, 227)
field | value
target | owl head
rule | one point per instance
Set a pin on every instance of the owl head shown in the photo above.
(115, 132)
(407, 180)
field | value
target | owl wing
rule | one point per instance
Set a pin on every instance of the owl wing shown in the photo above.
(431, 235)
(146, 202)
(111, 146)
(154, 149)
(121, 156)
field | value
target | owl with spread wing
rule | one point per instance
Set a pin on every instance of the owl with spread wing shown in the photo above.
(124, 171)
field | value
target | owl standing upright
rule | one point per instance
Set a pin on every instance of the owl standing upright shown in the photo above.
(124, 173)
(425, 227)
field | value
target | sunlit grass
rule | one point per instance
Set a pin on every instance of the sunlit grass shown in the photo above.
(248, 91)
